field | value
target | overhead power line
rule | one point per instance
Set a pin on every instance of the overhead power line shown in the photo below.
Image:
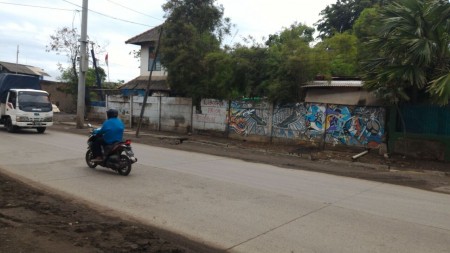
(99, 13)
(96, 12)
(36, 6)
(134, 10)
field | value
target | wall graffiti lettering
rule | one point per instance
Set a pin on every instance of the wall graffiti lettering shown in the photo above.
(248, 118)
(304, 121)
(357, 126)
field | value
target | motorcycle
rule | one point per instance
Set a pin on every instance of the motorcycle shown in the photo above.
(118, 156)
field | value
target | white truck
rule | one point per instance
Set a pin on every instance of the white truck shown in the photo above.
(23, 103)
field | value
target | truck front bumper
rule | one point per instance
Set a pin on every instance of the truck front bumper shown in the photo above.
(33, 124)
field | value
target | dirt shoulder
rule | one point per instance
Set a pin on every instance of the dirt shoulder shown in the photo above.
(35, 220)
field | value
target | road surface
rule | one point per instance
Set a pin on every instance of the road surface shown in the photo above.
(235, 205)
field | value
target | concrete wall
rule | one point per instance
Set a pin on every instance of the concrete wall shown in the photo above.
(160, 113)
(213, 116)
(258, 120)
(176, 114)
(64, 101)
(299, 122)
(355, 126)
(250, 119)
(96, 113)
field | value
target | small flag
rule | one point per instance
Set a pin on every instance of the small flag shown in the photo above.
(106, 59)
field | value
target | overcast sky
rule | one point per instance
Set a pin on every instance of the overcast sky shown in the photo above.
(28, 24)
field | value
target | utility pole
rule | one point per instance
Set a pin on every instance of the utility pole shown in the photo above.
(83, 66)
(148, 88)
(17, 55)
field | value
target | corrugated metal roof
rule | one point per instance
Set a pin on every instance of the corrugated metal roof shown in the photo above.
(345, 97)
(23, 69)
(335, 83)
(158, 83)
(147, 36)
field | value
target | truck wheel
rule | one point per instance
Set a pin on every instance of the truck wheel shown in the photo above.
(41, 129)
(9, 126)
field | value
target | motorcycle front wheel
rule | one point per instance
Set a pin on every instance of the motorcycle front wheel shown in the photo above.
(125, 165)
(89, 157)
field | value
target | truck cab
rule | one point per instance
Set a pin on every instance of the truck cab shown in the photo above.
(27, 108)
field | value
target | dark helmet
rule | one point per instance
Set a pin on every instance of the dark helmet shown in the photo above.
(112, 113)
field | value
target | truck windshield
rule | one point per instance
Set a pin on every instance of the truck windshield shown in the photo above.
(34, 102)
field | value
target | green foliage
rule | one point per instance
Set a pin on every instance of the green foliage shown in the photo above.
(65, 40)
(338, 55)
(250, 71)
(410, 55)
(365, 27)
(67, 76)
(340, 17)
(193, 30)
(290, 63)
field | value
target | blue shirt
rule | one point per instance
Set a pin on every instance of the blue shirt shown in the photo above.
(112, 130)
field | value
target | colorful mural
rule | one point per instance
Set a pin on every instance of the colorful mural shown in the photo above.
(304, 121)
(355, 126)
(248, 117)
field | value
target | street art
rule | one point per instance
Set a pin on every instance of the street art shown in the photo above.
(333, 124)
(361, 126)
(304, 121)
(249, 118)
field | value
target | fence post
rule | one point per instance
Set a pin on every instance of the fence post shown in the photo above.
(131, 111)
(159, 116)
(227, 130)
(192, 117)
(271, 110)
(325, 128)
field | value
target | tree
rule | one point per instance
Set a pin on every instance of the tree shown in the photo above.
(290, 63)
(365, 28)
(250, 70)
(67, 76)
(411, 55)
(274, 70)
(340, 17)
(65, 41)
(193, 29)
(338, 55)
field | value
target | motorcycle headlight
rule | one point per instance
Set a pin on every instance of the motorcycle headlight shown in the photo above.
(22, 119)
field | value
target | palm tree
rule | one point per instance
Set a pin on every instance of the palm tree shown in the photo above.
(411, 54)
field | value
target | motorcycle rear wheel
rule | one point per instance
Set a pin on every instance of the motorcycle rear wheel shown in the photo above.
(89, 157)
(125, 167)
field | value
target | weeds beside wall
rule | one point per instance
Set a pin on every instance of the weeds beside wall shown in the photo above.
(258, 120)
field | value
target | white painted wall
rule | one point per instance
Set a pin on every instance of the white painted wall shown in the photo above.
(144, 63)
(213, 116)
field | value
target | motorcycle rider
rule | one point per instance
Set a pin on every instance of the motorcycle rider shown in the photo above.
(110, 132)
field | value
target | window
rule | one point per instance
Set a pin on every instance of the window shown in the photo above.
(12, 99)
(34, 97)
(151, 58)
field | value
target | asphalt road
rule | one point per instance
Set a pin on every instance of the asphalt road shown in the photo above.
(236, 205)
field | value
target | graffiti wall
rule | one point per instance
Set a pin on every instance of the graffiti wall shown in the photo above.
(299, 121)
(249, 118)
(347, 125)
(332, 124)
(355, 126)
